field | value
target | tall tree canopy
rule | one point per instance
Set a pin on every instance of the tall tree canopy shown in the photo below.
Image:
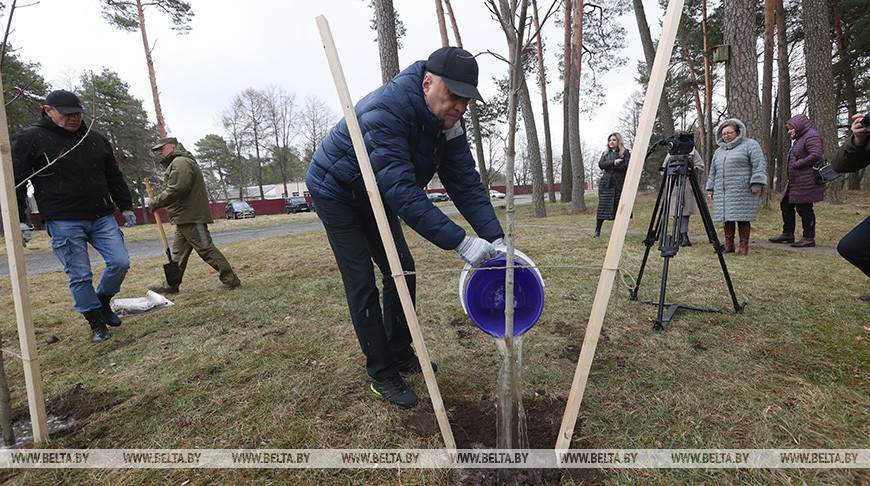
(123, 120)
(129, 15)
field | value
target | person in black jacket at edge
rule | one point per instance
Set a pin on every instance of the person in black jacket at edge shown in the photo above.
(854, 155)
(76, 197)
(412, 128)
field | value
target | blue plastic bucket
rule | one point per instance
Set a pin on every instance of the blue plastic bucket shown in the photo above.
(484, 297)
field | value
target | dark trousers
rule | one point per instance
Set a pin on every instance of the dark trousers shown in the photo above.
(855, 247)
(353, 234)
(805, 211)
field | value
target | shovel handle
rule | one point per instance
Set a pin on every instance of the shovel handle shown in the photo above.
(157, 216)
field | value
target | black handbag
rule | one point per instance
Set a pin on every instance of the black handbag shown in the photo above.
(824, 174)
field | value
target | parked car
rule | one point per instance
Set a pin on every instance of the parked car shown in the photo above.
(437, 196)
(296, 204)
(493, 194)
(239, 210)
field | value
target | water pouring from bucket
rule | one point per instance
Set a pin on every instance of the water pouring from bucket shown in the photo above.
(482, 292)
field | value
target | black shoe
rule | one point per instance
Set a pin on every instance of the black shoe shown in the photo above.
(109, 315)
(100, 334)
(783, 238)
(804, 243)
(596, 234)
(412, 366)
(684, 239)
(98, 325)
(395, 391)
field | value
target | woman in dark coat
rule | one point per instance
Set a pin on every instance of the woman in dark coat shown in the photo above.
(613, 162)
(801, 190)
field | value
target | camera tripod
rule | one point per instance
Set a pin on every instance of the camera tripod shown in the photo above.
(678, 172)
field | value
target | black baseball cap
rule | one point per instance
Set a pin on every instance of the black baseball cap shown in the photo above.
(64, 101)
(458, 68)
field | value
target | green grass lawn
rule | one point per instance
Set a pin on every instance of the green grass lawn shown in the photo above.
(275, 364)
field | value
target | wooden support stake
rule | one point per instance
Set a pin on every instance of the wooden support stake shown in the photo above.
(20, 285)
(383, 226)
(620, 226)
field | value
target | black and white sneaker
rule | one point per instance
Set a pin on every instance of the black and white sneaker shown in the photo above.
(395, 391)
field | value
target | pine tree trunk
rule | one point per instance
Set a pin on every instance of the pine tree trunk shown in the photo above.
(388, 45)
(820, 83)
(708, 141)
(767, 98)
(578, 201)
(158, 112)
(548, 143)
(567, 167)
(666, 118)
(742, 69)
(533, 150)
(472, 104)
(784, 94)
(848, 82)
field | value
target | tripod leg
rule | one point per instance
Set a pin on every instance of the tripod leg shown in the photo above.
(658, 325)
(714, 238)
(651, 233)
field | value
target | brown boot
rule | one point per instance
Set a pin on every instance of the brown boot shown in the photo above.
(743, 229)
(729, 237)
(783, 238)
(804, 242)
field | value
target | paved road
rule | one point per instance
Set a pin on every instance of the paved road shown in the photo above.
(47, 262)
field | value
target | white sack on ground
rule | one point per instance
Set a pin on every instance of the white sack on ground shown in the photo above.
(140, 305)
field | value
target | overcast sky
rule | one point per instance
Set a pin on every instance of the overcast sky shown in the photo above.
(234, 45)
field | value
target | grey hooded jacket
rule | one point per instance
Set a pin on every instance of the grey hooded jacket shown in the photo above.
(738, 167)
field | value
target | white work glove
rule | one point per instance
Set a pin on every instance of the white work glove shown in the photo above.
(130, 216)
(500, 245)
(25, 233)
(476, 251)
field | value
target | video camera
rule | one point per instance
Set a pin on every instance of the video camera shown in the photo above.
(680, 143)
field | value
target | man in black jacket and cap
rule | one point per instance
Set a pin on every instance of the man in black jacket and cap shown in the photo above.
(76, 195)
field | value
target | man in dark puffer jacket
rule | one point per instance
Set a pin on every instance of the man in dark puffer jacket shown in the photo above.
(412, 128)
(76, 197)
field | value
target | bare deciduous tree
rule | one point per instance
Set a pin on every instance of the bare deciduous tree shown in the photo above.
(279, 106)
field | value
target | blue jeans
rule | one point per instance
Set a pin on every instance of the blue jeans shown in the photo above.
(69, 243)
(383, 334)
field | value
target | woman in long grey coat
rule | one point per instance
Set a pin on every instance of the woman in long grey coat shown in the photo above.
(737, 174)
(614, 163)
(801, 190)
(690, 206)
